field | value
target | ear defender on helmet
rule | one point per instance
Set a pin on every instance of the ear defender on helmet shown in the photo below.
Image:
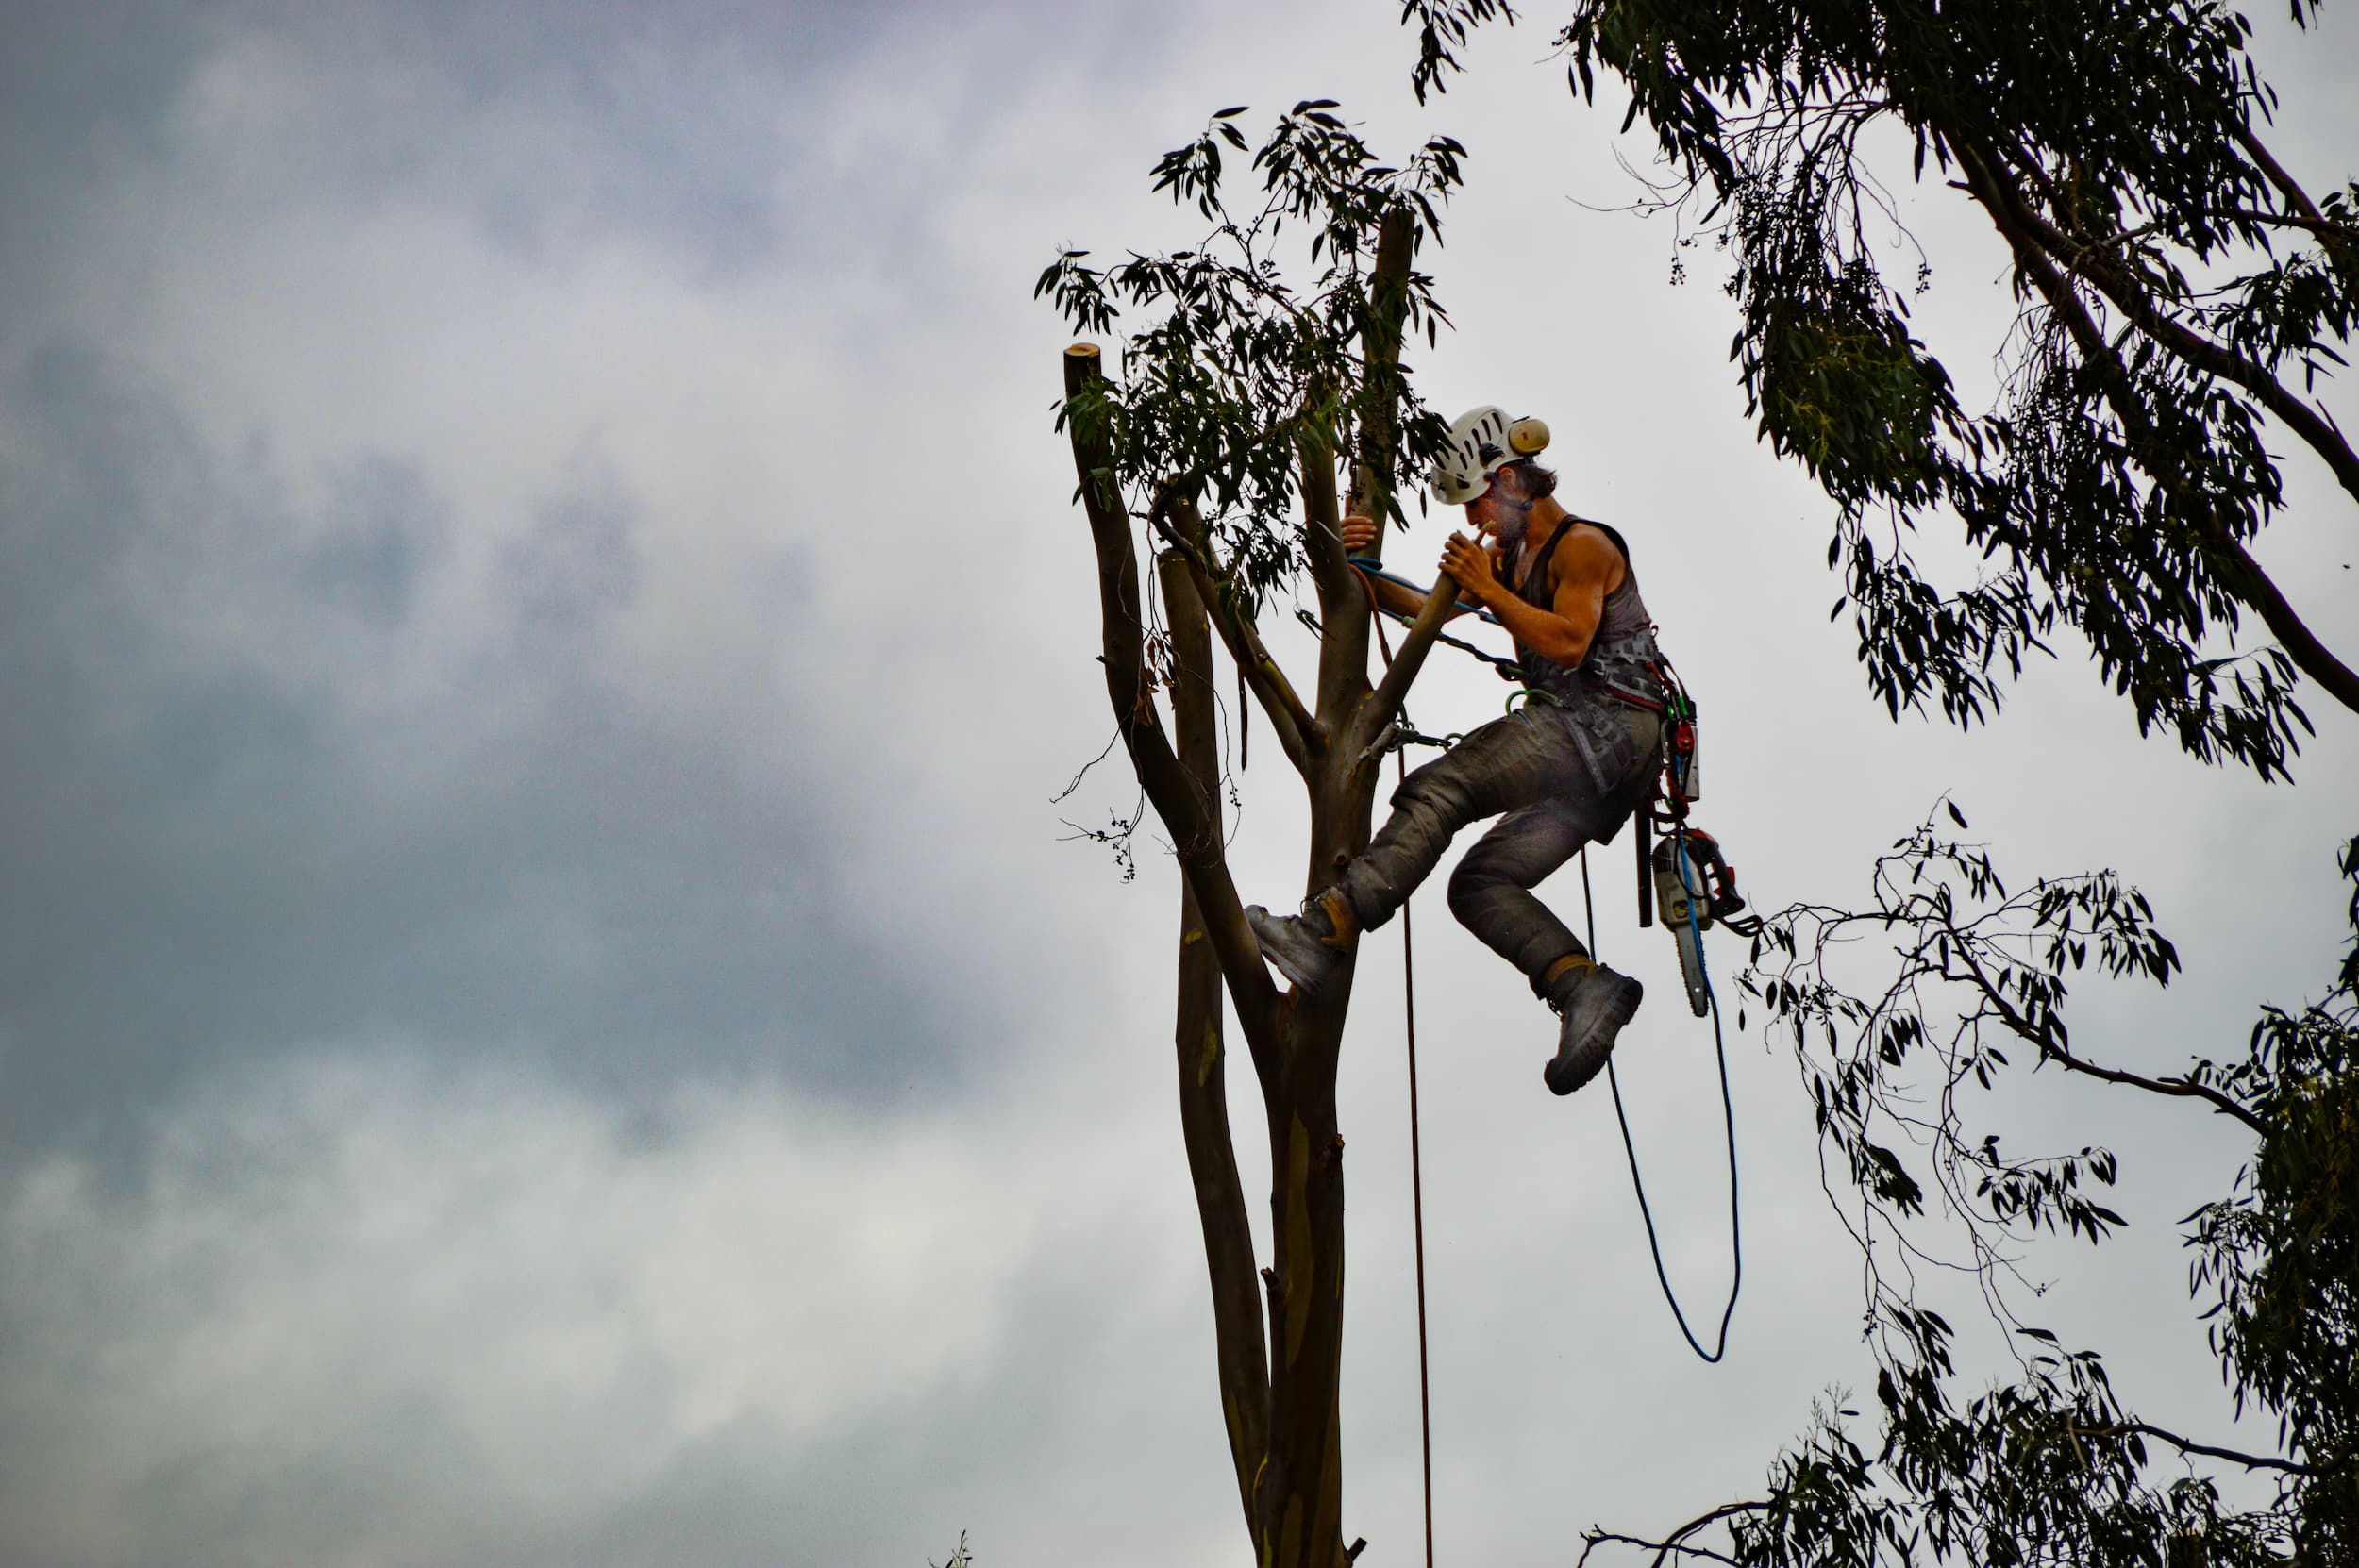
(1481, 442)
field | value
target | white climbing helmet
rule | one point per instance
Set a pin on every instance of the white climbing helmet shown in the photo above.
(1481, 442)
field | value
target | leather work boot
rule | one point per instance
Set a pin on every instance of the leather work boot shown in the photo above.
(1309, 947)
(1596, 1002)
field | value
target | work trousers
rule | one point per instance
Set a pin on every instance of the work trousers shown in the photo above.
(1562, 776)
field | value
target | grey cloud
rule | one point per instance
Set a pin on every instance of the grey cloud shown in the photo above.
(224, 838)
(373, 1310)
(83, 89)
(576, 564)
(310, 752)
(386, 529)
(552, 125)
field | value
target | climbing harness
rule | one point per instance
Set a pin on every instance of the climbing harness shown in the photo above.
(1685, 874)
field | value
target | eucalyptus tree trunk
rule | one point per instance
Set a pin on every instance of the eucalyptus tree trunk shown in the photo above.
(1279, 1350)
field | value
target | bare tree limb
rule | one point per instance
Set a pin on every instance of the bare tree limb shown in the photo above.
(1299, 735)
(2092, 263)
(2266, 161)
(2043, 1037)
(1242, 1357)
(1383, 706)
(1195, 837)
(2310, 656)
(1380, 346)
(1676, 1540)
(1342, 602)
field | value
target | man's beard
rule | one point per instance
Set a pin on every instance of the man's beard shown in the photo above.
(1508, 524)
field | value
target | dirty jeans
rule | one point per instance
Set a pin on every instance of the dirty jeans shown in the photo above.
(1564, 776)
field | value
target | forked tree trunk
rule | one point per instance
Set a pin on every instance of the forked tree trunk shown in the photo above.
(1279, 1350)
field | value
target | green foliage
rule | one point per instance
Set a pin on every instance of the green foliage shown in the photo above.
(2170, 275)
(2051, 1465)
(1443, 26)
(2281, 1255)
(1241, 371)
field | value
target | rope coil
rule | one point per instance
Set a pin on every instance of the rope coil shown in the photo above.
(1728, 1107)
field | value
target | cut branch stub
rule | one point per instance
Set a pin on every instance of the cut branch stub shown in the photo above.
(1195, 837)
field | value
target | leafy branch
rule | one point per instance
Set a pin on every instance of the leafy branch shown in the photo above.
(2050, 1466)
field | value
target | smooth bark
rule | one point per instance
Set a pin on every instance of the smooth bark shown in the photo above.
(1299, 733)
(1240, 1357)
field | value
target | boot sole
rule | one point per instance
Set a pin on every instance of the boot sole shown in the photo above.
(1570, 1070)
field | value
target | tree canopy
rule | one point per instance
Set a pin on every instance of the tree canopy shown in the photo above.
(2181, 295)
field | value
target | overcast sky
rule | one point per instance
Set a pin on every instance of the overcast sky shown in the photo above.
(547, 1015)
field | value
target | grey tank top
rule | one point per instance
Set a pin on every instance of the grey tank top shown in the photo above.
(1622, 655)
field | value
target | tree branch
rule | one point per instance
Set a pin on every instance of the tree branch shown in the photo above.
(2296, 197)
(2043, 1037)
(2250, 1461)
(1676, 1540)
(1342, 602)
(1661, 1549)
(2311, 656)
(1299, 735)
(1184, 809)
(2253, 586)
(1240, 1355)
(1380, 346)
(2181, 1088)
(2089, 262)
(1377, 713)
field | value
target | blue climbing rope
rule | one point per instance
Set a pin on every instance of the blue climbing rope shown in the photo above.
(1728, 1110)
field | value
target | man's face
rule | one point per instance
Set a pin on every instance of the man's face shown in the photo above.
(1499, 510)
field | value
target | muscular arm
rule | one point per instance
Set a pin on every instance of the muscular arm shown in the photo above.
(1585, 569)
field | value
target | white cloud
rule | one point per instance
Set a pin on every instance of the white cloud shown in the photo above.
(367, 1313)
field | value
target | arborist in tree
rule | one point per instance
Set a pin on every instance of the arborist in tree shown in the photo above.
(1566, 769)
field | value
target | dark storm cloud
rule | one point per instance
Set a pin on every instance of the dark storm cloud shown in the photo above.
(214, 848)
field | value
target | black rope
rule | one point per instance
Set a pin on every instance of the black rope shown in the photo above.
(1404, 735)
(1416, 1202)
(1630, 1148)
